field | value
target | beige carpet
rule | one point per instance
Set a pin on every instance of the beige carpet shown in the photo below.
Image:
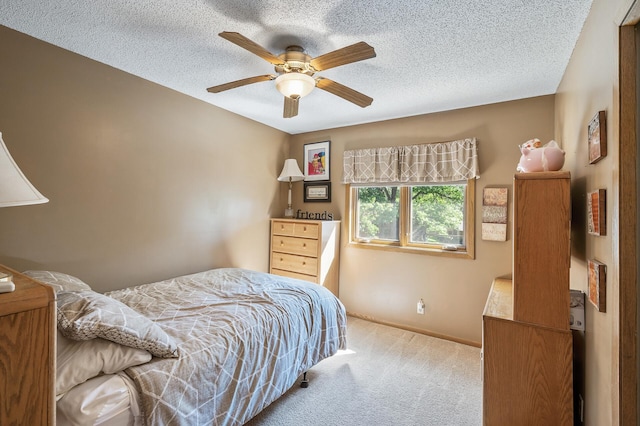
(387, 377)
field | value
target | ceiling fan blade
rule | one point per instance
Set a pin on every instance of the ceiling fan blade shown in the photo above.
(346, 55)
(238, 83)
(344, 92)
(290, 106)
(251, 46)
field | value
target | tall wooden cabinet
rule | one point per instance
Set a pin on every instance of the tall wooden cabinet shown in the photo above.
(307, 250)
(27, 353)
(527, 345)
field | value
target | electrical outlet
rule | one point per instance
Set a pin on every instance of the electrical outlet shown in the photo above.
(420, 309)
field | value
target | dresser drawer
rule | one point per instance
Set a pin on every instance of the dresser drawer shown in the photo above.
(294, 263)
(293, 245)
(303, 230)
(312, 278)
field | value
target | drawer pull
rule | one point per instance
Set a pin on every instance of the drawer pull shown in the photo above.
(281, 243)
(304, 245)
(304, 263)
(305, 229)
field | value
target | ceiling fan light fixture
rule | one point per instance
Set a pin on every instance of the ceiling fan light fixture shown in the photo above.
(295, 84)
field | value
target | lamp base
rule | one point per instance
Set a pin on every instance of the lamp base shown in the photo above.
(288, 212)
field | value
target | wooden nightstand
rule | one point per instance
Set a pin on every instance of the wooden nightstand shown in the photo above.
(27, 352)
(307, 250)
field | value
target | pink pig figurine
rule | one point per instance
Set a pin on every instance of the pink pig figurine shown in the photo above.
(540, 159)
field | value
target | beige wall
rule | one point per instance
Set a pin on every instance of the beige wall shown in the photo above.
(590, 84)
(385, 285)
(145, 183)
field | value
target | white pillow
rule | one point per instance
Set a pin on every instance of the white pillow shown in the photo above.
(58, 280)
(79, 361)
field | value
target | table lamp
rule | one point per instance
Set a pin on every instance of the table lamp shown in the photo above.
(15, 190)
(291, 173)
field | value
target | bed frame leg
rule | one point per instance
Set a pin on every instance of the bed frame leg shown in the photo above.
(305, 382)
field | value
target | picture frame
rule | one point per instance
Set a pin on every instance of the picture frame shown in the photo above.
(319, 192)
(494, 213)
(596, 212)
(317, 161)
(597, 273)
(597, 135)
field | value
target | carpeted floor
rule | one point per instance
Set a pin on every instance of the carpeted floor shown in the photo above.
(388, 377)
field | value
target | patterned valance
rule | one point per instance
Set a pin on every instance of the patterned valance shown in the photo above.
(433, 162)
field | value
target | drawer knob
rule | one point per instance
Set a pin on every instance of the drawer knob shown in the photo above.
(305, 228)
(281, 243)
(304, 245)
(304, 263)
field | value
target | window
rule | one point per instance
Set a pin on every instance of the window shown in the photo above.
(417, 198)
(432, 218)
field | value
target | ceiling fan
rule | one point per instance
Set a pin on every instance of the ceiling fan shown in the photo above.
(295, 71)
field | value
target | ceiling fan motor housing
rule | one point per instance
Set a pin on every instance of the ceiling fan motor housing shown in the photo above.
(295, 60)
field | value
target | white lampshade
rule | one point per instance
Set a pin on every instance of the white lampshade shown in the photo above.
(15, 188)
(290, 171)
(294, 84)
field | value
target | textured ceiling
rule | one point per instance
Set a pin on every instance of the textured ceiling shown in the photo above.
(432, 55)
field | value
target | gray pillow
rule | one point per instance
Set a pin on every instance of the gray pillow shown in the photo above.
(58, 280)
(85, 315)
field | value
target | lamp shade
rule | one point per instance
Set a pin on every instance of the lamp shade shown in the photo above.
(295, 84)
(290, 171)
(15, 188)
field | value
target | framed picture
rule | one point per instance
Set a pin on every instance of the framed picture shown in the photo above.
(597, 284)
(596, 212)
(316, 161)
(494, 214)
(317, 191)
(597, 137)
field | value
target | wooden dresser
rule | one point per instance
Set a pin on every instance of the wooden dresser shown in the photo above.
(307, 250)
(527, 346)
(27, 353)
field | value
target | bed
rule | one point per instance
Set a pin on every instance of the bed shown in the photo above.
(212, 348)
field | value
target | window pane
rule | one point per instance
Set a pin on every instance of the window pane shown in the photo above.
(378, 213)
(437, 214)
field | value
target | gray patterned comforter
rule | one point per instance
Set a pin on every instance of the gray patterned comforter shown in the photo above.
(244, 338)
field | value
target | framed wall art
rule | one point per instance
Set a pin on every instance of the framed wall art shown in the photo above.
(596, 212)
(316, 161)
(494, 214)
(597, 132)
(597, 284)
(317, 191)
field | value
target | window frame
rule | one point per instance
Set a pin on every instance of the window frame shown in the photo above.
(403, 245)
